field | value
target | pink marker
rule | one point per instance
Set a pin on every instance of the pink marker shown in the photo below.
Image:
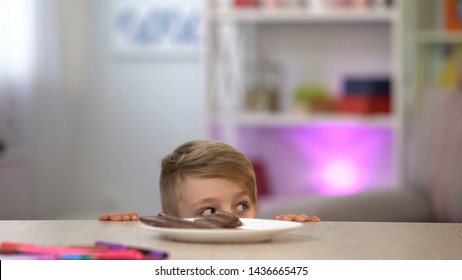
(52, 250)
(126, 254)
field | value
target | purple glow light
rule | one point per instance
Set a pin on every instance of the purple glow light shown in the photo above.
(340, 177)
(332, 158)
(343, 158)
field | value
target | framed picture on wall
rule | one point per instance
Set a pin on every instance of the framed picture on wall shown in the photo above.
(453, 15)
(156, 28)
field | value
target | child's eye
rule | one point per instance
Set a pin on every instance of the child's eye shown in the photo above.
(208, 211)
(241, 207)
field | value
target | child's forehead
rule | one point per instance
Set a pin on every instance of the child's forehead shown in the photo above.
(196, 182)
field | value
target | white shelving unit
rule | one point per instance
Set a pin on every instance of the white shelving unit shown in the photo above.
(298, 15)
(288, 119)
(331, 43)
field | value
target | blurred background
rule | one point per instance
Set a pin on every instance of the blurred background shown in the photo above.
(330, 99)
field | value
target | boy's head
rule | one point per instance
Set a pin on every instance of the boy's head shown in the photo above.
(203, 176)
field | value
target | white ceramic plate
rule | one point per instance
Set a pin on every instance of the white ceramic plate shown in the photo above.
(252, 230)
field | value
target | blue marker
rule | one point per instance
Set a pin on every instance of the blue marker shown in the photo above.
(148, 253)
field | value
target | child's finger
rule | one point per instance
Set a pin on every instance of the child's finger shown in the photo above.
(133, 216)
(298, 218)
(104, 217)
(116, 217)
(292, 216)
(287, 218)
(126, 217)
(315, 218)
(302, 218)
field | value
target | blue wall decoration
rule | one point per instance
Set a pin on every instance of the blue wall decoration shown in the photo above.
(160, 27)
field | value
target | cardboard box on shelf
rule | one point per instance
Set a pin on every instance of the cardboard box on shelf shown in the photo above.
(363, 104)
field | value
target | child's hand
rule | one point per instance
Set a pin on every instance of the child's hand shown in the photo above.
(298, 218)
(119, 217)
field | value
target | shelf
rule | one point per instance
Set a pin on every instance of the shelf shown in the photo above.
(439, 37)
(299, 15)
(287, 119)
(307, 46)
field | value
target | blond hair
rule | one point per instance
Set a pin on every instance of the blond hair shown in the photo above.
(203, 159)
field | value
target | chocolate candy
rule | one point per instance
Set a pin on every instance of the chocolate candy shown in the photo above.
(216, 221)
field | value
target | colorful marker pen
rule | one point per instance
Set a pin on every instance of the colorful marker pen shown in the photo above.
(75, 257)
(37, 249)
(106, 255)
(126, 254)
(101, 251)
(148, 253)
(15, 256)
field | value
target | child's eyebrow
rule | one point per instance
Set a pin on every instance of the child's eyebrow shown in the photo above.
(205, 200)
(241, 194)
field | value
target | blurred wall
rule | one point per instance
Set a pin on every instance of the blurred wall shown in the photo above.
(100, 122)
